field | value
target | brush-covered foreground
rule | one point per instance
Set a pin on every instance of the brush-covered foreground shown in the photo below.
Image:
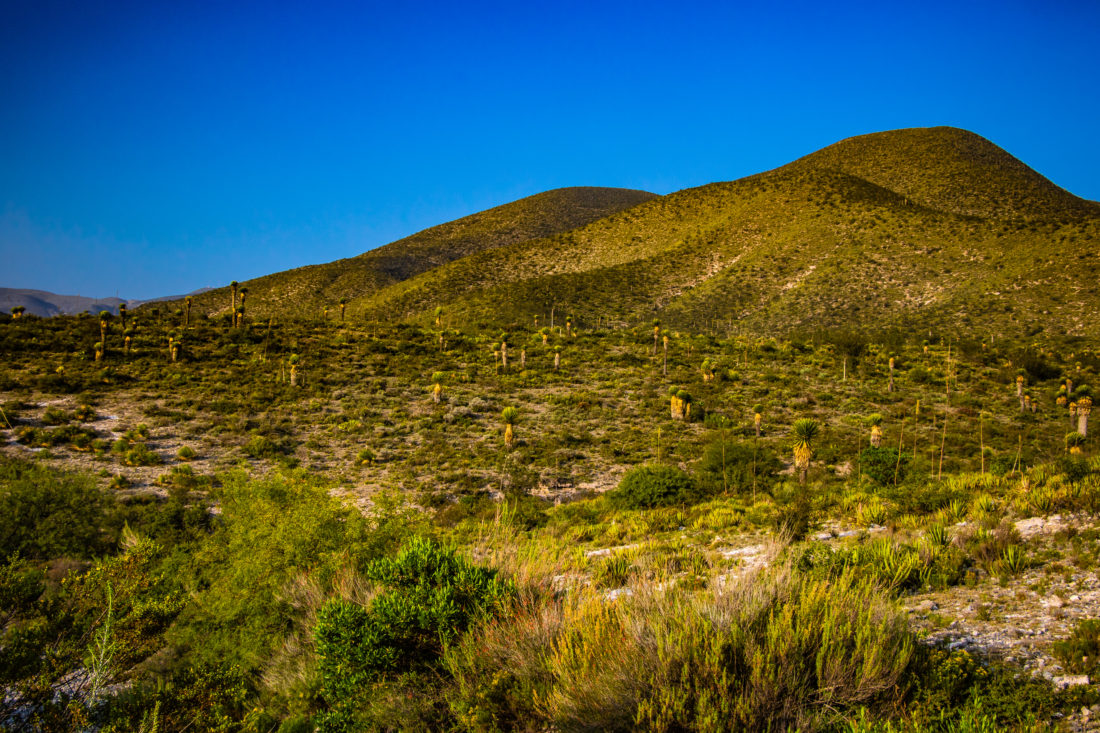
(352, 526)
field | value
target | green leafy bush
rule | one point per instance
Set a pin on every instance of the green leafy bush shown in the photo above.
(431, 596)
(645, 487)
(46, 514)
(882, 464)
(737, 466)
(1080, 653)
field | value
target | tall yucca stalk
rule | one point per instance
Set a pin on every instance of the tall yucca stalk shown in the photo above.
(103, 333)
(437, 386)
(1084, 407)
(233, 291)
(656, 334)
(187, 311)
(343, 308)
(805, 431)
(890, 387)
(1020, 381)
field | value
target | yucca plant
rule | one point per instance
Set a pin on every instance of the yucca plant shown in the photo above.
(509, 415)
(656, 334)
(805, 431)
(343, 308)
(17, 312)
(684, 399)
(1084, 407)
(1020, 381)
(557, 358)
(890, 386)
(233, 291)
(437, 386)
(757, 418)
(293, 362)
(707, 369)
(875, 421)
(545, 333)
(103, 318)
(187, 311)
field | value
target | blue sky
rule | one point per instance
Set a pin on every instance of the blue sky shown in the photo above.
(151, 148)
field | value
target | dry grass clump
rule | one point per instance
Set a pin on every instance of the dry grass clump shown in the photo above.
(775, 649)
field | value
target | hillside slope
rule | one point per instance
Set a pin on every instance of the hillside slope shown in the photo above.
(913, 228)
(307, 290)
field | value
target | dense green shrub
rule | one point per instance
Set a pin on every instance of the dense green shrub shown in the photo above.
(644, 487)
(882, 464)
(431, 596)
(46, 514)
(738, 467)
(1080, 653)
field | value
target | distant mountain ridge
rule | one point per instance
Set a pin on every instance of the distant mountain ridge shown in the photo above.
(46, 304)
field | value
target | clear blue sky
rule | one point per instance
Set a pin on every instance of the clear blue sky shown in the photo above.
(151, 148)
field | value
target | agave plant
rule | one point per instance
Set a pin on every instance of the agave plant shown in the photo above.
(1074, 442)
(1013, 561)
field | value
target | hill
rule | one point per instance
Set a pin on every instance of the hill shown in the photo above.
(307, 290)
(933, 228)
(45, 304)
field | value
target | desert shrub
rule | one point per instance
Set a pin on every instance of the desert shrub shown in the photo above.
(139, 454)
(1080, 652)
(430, 596)
(270, 530)
(737, 466)
(1074, 468)
(46, 514)
(261, 446)
(186, 453)
(645, 487)
(55, 416)
(882, 464)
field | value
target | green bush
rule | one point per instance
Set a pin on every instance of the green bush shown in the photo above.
(645, 487)
(431, 596)
(882, 465)
(46, 514)
(1080, 653)
(737, 466)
